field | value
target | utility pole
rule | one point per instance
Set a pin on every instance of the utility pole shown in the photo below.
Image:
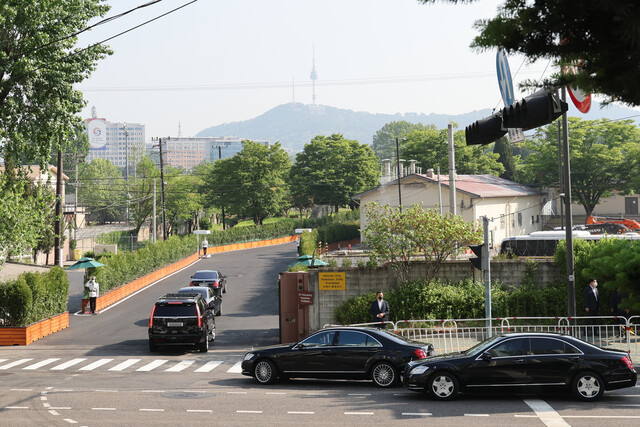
(486, 268)
(162, 196)
(154, 210)
(452, 171)
(58, 222)
(126, 168)
(399, 171)
(219, 158)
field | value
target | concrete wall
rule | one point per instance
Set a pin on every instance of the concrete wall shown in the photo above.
(360, 281)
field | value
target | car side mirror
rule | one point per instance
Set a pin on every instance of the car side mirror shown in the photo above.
(299, 346)
(486, 356)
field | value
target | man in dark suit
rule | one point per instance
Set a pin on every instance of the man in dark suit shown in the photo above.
(379, 310)
(591, 301)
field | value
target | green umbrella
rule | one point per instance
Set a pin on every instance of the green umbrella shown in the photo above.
(86, 262)
(306, 260)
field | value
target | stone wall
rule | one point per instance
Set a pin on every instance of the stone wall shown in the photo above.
(360, 281)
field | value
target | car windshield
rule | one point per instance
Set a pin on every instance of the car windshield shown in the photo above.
(206, 275)
(482, 346)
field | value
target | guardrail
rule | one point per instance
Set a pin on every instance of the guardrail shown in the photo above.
(453, 335)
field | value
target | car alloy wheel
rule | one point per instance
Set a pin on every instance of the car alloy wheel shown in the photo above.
(588, 386)
(443, 386)
(383, 374)
(265, 372)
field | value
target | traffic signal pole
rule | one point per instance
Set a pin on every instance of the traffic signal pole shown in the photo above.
(571, 285)
(486, 269)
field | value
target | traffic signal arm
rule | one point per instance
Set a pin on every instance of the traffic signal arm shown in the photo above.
(478, 252)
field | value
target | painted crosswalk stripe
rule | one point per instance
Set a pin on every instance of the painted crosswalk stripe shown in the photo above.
(180, 366)
(236, 369)
(209, 366)
(151, 366)
(68, 364)
(94, 365)
(3, 360)
(124, 365)
(41, 363)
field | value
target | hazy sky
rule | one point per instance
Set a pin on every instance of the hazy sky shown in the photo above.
(218, 61)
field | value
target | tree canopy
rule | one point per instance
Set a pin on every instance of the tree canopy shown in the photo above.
(102, 189)
(331, 169)
(600, 36)
(384, 144)
(605, 156)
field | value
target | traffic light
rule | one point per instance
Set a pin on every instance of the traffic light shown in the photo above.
(533, 112)
(477, 250)
(485, 131)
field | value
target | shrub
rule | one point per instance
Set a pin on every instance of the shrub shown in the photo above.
(346, 262)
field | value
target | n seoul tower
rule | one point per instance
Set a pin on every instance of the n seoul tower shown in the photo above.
(314, 76)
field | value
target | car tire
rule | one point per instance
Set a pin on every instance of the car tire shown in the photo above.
(204, 346)
(443, 386)
(219, 312)
(384, 374)
(587, 386)
(212, 335)
(224, 289)
(152, 347)
(265, 372)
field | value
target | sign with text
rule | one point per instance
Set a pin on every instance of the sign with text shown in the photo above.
(333, 281)
(305, 298)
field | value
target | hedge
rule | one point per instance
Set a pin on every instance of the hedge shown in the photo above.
(464, 300)
(33, 297)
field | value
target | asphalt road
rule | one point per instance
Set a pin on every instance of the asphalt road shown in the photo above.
(98, 372)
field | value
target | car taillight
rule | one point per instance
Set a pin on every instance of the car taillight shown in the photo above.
(151, 317)
(192, 284)
(199, 318)
(628, 362)
(216, 284)
(420, 354)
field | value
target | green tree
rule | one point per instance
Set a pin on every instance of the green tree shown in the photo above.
(395, 235)
(331, 169)
(183, 201)
(602, 35)
(102, 189)
(40, 67)
(141, 192)
(604, 158)
(503, 148)
(384, 140)
(250, 184)
(430, 148)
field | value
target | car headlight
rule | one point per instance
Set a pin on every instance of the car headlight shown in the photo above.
(249, 356)
(420, 369)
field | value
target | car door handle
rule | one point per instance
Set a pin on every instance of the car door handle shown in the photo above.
(519, 360)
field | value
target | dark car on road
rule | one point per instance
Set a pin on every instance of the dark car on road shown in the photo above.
(181, 319)
(212, 300)
(527, 362)
(343, 352)
(212, 278)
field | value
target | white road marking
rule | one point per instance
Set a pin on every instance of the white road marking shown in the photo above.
(103, 409)
(65, 365)
(275, 392)
(151, 366)
(236, 369)
(206, 411)
(180, 366)
(248, 412)
(21, 389)
(209, 366)
(59, 408)
(150, 410)
(236, 392)
(16, 407)
(43, 398)
(358, 413)
(359, 394)
(152, 391)
(546, 413)
(46, 405)
(417, 414)
(476, 415)
(3, 360)
(316, 394)
(300, 413)
(105, 391)
(632, 417)
(41, 363)
(70, 421)
(52, 412)
(94, 365)
(124, 365)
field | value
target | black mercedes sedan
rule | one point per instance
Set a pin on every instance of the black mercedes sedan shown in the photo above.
(528, 362)
(337, 353)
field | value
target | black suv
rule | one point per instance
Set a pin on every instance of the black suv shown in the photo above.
(181, 319)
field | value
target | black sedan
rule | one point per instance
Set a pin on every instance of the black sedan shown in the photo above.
(212, 278)
(344, 352)
(527, 362)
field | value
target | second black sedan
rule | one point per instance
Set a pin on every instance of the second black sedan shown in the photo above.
(344, 353)
(524, 362)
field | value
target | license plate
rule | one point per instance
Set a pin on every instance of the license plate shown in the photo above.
(174, 324)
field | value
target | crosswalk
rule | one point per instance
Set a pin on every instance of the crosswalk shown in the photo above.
(82, 364)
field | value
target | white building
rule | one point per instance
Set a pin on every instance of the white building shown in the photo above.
(118, 142)
(513, 209)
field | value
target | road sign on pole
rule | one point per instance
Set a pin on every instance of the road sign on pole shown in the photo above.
(506, 90)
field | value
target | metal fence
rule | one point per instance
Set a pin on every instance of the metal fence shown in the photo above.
(453, 335)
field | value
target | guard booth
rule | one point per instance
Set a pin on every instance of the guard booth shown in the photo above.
(295, 299)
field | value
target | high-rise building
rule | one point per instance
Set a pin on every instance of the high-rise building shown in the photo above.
(120, 143)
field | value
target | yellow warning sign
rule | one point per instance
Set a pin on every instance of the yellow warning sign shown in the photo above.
(334, 281)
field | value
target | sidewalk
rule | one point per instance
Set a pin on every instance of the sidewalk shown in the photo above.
(11, 270)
